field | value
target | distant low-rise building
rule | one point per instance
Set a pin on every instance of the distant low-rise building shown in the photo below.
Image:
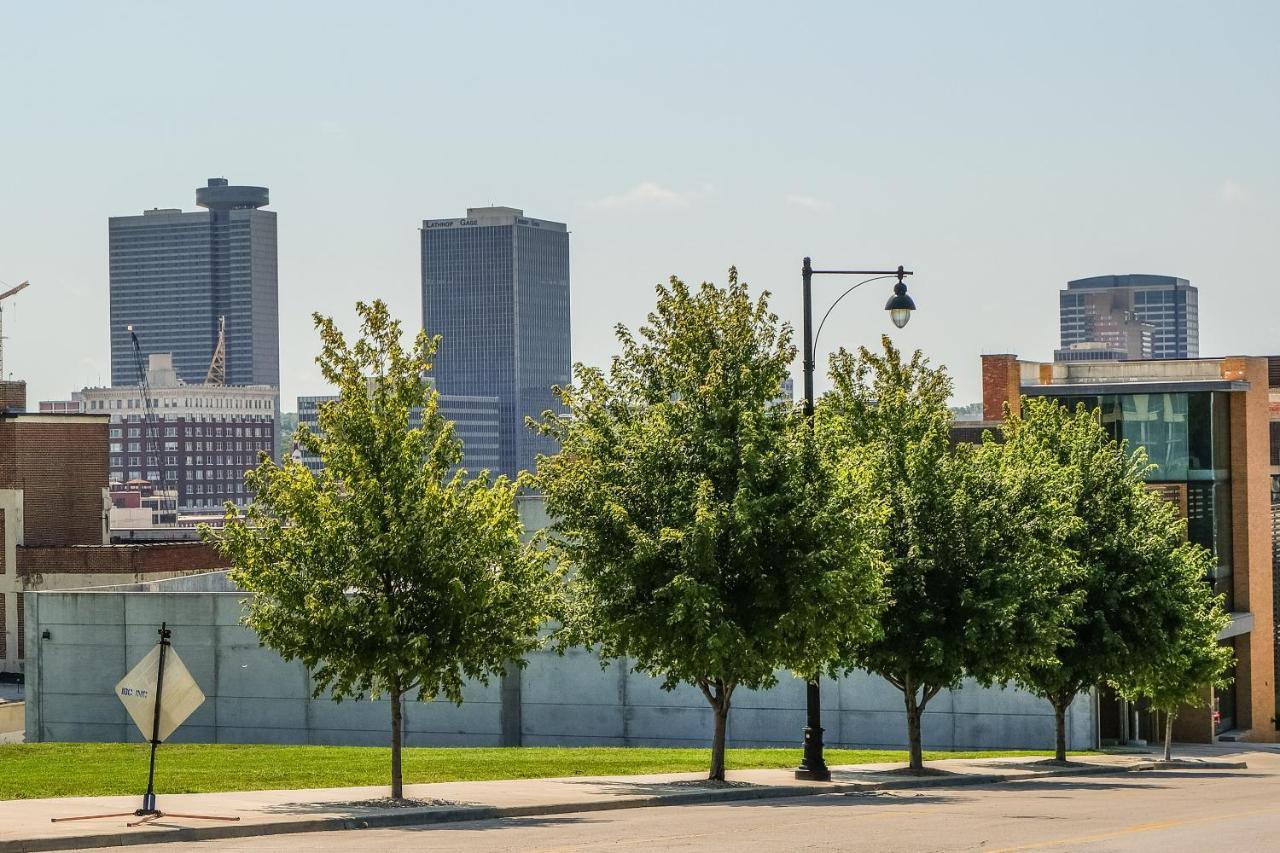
(194, 439)
(54, 510)
(137, 505)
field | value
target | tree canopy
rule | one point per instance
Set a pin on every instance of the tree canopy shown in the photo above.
(1191, 662)
(972, 535)
(390, 571)
(1126, 595)
(702, 536)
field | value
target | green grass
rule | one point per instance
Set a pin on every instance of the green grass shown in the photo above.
(83, 769)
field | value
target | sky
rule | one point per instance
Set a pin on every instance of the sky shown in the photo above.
(998, 149)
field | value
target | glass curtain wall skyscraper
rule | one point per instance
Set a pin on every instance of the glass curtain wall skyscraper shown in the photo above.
(174, 274)
(1116, 309)
(495, 286)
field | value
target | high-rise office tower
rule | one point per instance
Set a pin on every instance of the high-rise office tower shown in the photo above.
(495, 285)
(174, 274)
(1120, 311)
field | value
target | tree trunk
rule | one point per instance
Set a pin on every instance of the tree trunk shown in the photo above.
(397, 778)
(719, 701)
(717, 742)
(1060, 724)
(1168, 736)
(914, 712)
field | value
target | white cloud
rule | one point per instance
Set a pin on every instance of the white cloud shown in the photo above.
(807, 202)
(1231, 192)
(649, 194)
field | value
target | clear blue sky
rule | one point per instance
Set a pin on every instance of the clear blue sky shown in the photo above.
(998, 149)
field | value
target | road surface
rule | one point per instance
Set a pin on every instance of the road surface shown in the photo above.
(1166, 811)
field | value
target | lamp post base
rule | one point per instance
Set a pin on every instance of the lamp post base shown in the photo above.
(823, 775)
(812, 767)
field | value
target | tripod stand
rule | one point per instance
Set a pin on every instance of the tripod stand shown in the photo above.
(149, 813)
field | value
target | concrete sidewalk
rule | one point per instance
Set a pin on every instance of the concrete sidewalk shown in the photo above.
(25, 824)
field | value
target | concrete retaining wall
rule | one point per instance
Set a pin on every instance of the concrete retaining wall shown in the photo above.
(256, 697)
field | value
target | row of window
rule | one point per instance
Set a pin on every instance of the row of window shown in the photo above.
(170, 432)
(243, 461)
(187, 402)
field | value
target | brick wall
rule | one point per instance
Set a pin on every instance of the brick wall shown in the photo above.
(13, 396)
(120, 559)
(1001, 383)
(1255, 687)
(60, 463)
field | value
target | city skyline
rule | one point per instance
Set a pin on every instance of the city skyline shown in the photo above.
(997, 155)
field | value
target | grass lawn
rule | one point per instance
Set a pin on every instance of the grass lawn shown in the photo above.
(100, 769)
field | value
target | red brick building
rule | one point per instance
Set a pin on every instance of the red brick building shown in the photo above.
(54, 507)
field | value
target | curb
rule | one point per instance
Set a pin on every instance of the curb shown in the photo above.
(1193, 764)
(434, 815)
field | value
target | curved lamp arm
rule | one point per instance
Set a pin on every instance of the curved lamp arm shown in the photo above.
(818, 333)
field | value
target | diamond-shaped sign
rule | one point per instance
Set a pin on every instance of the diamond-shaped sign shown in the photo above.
(179, 698)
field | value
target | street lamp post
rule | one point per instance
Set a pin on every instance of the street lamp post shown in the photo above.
(899, 306)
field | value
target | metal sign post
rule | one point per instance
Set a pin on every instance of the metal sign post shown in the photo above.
(141, 692)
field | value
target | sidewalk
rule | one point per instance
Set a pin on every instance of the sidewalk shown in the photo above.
(25, 824)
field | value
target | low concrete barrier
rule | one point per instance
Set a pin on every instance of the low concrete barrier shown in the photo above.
(81, 643)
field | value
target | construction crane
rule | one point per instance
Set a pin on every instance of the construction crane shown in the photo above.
(3, 296)
(217, 374)
(148, 414)
(149, 428)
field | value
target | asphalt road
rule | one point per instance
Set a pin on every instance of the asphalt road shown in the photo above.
(1167, 811)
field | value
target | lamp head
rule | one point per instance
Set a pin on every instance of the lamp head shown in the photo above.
(900, 305)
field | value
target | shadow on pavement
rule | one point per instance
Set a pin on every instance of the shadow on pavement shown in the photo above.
(685, 786)
(531, 822)
(849, 798)
(1199, 774)
(361, 808)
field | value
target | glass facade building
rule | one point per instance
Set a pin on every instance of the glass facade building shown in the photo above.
(495, 287)
(1204, 425)
(1112, 309)
(173, 274)
(1187, 439)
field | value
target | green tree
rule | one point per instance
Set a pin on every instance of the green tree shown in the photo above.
(693, 518)
(390, 571)
(1126, 550)
(972, 534)
(1191, 660)
(284, 438)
